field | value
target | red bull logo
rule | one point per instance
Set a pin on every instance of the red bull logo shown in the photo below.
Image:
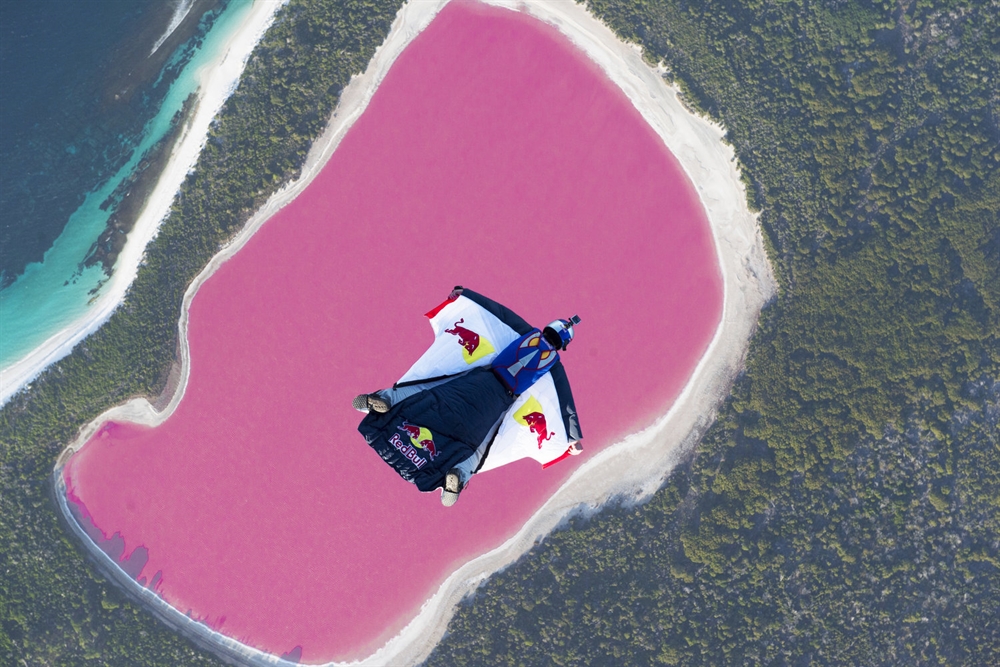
(531, 415)
(474, 346)
(467, 338)
(420, 437)
(536, 424)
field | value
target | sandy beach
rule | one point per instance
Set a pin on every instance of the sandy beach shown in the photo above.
(633, 468)
(218, 81)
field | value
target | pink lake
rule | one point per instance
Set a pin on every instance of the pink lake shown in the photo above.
(497, 156)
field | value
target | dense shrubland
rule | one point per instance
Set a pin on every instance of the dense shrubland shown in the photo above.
(845, 508)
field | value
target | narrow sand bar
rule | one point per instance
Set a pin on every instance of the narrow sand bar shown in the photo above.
(493, 154)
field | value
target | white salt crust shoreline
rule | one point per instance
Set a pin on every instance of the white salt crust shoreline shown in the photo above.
(632, 469)
(217, 82)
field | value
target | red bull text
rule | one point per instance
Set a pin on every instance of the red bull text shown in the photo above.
(407, 451)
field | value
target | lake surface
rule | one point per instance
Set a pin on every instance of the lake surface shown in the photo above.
(494, 155)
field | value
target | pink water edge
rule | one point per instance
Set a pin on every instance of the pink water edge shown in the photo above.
(494, 155)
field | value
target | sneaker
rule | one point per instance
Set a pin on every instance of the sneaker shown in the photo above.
(360, 403)
(452, 487)
(369, 402)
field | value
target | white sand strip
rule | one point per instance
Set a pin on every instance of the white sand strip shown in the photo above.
(632, 469)
(217, 81)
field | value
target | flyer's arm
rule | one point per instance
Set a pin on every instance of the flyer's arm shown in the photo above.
(566, 405)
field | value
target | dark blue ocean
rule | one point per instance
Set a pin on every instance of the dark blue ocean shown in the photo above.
(87, 89)
(56, 138)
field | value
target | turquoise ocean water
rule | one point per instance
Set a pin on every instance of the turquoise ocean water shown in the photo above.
(52, 294)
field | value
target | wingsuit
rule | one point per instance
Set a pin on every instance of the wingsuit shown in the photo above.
(443, 420)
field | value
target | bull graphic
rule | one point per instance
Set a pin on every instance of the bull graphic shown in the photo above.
(466, 337)
(536, 423)
(420, 437)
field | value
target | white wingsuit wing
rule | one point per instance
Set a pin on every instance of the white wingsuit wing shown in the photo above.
(533, 427)
(465, 336)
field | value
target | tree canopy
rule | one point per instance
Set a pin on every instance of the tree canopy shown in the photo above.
(844, 507)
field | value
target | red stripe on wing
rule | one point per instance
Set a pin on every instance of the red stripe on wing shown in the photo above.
(437, 309)
(565, 455)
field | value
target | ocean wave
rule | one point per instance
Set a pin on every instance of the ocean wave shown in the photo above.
(180, 13)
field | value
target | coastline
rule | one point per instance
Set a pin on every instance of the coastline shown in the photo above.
(217, 82)
(637, 465)
(632, 470)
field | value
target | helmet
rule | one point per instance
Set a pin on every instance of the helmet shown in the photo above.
(562, 330)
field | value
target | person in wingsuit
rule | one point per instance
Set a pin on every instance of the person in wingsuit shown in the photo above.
(436, 432)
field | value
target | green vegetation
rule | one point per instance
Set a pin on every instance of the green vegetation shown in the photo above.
(845, 508)
(54, 608)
